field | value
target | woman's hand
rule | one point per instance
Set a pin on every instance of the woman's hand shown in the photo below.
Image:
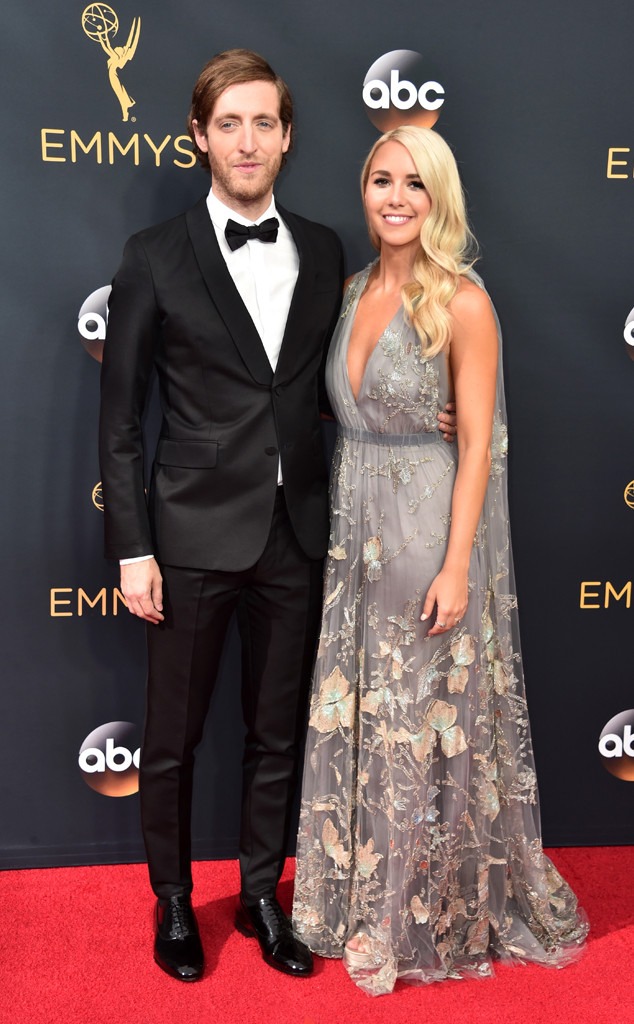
(449, 591)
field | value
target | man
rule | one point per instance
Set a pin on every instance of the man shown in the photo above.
(236, 327)
(233, 304)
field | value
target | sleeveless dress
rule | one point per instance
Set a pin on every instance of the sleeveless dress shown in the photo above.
(419, 819)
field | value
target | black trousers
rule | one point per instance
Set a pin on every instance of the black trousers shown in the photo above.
(278, 604)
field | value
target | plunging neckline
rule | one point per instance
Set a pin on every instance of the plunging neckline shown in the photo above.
(353, 309)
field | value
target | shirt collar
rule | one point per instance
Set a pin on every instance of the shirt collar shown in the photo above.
(220, 213)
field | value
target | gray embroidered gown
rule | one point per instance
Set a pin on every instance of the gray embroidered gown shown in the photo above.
(419, 815)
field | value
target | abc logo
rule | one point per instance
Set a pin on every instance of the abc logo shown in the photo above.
(628, 334)
(93, 317)
(109, 759)
(396, 91)
(616, 746)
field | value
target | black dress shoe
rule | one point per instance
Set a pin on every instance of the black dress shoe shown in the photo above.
(177, 946)
(281, 949)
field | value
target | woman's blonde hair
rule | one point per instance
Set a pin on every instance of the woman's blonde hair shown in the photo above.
(447, 247)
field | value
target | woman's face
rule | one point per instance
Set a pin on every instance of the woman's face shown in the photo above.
(396, 201)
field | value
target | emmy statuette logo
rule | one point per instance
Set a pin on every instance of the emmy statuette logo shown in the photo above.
(97, 496)
(101, 24)
(100, 146)
(628, 494)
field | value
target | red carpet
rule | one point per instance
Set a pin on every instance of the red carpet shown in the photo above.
(75, 948)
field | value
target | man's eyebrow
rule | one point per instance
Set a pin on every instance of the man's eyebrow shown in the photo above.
(228, 116)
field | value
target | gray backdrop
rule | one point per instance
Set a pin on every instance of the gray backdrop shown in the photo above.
(536, 96)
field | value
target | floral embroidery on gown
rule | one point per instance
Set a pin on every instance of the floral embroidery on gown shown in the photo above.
(419, 814)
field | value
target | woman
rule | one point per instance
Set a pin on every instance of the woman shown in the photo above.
(419, 850)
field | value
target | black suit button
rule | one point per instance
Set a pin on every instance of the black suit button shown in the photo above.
(271, 450)
(278, 391)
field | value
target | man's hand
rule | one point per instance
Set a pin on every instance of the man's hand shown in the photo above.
(447, 421)
(142, 587)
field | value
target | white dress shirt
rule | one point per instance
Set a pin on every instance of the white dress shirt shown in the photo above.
(265, 275)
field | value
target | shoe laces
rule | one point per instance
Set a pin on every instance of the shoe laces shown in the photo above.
(182, 920)
(272, 913)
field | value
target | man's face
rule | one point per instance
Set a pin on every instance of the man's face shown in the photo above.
(245, 142)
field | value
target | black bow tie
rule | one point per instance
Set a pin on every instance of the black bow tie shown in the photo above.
(237, 234)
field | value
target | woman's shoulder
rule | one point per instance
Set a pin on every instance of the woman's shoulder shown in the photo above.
(360, 277)
(471, 297)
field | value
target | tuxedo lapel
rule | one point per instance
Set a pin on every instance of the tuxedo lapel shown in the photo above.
(301, 302)
(225, 295)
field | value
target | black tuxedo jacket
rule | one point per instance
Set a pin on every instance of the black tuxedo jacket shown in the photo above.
(226, 416)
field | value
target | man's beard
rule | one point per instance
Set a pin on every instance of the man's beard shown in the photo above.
(246, 190)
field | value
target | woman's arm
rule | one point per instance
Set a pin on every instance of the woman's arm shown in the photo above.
(473, 358)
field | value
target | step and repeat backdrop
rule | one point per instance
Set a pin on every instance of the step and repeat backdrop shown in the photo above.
(537, 101)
